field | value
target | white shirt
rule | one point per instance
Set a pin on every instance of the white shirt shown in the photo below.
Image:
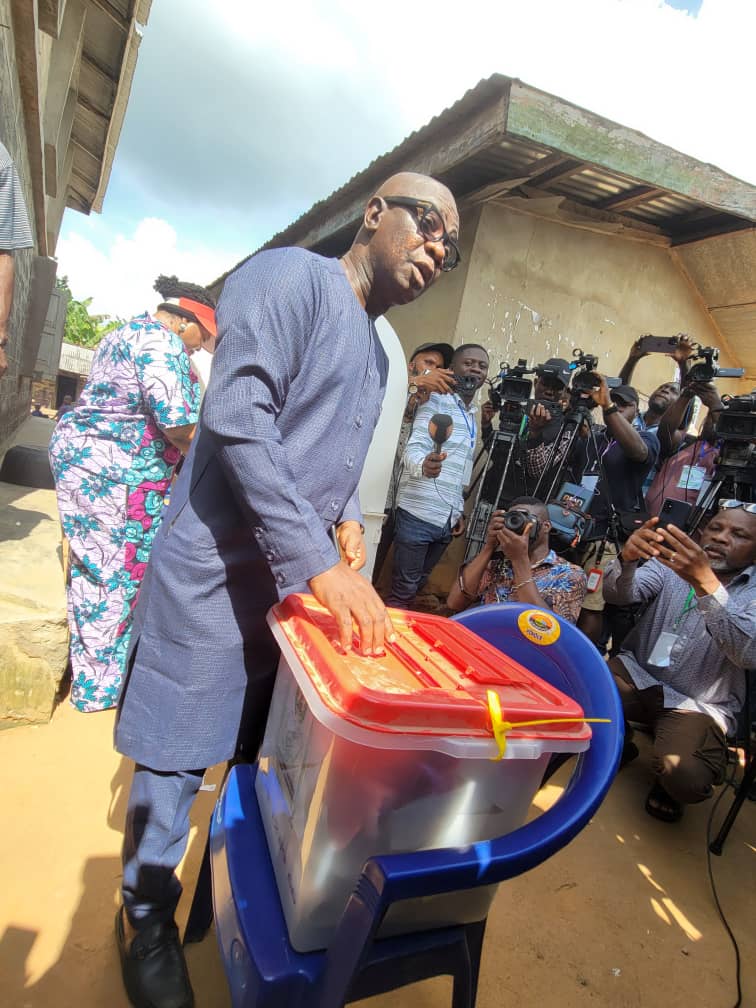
(439, 500)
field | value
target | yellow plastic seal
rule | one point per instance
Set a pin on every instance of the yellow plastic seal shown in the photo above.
(498, 724)
(500, 727)
(539, 626)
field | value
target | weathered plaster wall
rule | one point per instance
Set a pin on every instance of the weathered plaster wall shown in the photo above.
(434, 315)
(15, 389)
(537, 289)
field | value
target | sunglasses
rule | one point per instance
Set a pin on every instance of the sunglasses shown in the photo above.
(431, 226)
(728, 505)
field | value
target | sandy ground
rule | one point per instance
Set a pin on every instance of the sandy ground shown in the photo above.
(622, 917)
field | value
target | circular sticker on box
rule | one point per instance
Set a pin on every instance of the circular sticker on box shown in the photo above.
(538, 626)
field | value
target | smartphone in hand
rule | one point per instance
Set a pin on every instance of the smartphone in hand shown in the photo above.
(659, 344)
(674, 512)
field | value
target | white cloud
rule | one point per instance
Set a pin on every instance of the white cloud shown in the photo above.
(119, 278)
(681, 79)
(296, 97)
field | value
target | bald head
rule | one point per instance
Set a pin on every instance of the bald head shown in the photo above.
(413, 184)
(407, 239)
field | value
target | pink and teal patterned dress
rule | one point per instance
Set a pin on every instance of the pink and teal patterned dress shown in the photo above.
(113, 465)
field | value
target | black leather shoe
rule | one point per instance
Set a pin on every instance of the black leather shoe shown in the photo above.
(153, 967)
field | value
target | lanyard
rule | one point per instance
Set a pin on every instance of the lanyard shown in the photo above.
(689, 604)
(468, 421)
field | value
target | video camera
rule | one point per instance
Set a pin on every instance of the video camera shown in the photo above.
(585, 380)
(709, 369)
(735, 470)
(737, 421)
(510, 393)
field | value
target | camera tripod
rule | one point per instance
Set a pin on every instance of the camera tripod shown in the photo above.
(503, 448)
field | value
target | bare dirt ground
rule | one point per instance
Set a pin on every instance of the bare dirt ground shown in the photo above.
(622, 917)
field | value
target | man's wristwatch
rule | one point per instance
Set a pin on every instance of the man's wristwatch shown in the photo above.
(614, 408)
(412, 388)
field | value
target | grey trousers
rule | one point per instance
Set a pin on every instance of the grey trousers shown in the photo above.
(155, 836)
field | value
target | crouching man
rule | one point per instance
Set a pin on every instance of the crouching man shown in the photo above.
(681, 670)
(517, 565)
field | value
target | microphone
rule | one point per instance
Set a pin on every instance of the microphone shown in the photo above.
(440, 427)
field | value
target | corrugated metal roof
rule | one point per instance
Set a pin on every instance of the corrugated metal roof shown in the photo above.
(506, 141)
(108, 58)
(75, 359)
(499, 154)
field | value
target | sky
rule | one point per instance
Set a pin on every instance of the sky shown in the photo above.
(242, 115)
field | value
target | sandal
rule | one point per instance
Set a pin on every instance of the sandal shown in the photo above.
(661, 806)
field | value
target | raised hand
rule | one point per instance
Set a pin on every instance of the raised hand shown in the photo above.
(685, 557)
(437, 380)
(643, 544)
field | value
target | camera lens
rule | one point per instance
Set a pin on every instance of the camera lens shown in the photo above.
(515, 521)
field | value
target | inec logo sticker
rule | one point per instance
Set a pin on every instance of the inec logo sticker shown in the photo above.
(538, 626)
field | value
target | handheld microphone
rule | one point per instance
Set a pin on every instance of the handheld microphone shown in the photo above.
(440, 427)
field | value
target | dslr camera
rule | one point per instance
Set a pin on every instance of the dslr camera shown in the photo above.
(516, 521)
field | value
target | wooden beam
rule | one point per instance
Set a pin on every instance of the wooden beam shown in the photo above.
(565, 168)
(544, 164)
(50, 17)
(113, 13)
(544, 119)
(629, 198)
(77, 143)
(731, 225)
(98, 68)
(89, 107)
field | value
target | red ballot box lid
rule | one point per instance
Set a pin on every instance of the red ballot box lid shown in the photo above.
(434, 679)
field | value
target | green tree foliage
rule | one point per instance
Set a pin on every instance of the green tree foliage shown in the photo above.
(82, 328)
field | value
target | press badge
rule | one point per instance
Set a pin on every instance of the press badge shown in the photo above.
(691, 477)
(594, 579)
(662, 649)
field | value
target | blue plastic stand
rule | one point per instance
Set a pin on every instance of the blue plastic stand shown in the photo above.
(264, 971)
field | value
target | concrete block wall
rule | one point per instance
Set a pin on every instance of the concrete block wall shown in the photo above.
(15, 389)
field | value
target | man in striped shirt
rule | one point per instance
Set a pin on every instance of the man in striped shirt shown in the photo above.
(429, 503)
(15, 233)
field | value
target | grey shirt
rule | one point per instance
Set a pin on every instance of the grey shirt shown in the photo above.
(716, 638)
(15, 231)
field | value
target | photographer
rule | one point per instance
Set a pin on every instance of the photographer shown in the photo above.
(429, 507)
(550, 392)
(664, 395)
(681, 669)
(684, 470)
(619, 458)
(516, 565)
(532, 443)
(427, 372)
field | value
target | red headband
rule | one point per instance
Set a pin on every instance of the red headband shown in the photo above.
(204, 314)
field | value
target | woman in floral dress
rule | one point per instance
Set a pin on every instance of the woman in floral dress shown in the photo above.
(113, 457)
